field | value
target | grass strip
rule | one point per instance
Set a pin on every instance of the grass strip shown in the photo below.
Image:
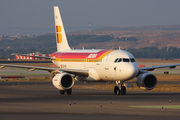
(157, 106)
(9, 73)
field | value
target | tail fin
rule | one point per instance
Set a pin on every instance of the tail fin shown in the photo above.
(61, 40)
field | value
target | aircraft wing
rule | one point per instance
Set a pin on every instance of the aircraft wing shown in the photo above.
(50, 69)
(158, 67)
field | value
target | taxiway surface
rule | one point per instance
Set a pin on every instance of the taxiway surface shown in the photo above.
(43, 101)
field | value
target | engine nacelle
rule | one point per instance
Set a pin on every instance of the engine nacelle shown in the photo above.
(146, 81)
(63, 81)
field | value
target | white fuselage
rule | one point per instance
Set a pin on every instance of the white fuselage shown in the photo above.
(109, 65)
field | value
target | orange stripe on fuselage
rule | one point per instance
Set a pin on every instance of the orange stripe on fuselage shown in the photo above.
(81, 57)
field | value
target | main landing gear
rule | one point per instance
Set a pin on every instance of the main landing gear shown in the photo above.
(69, 91)
(120, 89)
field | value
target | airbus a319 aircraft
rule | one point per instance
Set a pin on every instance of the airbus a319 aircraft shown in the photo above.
(92, 65)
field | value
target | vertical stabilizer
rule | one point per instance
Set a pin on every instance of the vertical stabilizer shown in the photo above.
(61, 40)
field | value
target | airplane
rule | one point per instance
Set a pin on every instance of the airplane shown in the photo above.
(92, 65)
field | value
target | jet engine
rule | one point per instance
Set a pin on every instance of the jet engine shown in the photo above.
(63, 81)
(146, 81)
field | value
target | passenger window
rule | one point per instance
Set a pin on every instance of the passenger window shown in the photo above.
(125, 60)
(119, 60)
(132, 60)
(116, 60)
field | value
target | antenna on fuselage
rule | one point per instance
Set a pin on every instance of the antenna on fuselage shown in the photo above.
(119, 47)
(83, 47)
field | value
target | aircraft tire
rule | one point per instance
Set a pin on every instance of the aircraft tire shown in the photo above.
(69, 91)
(123, 90)
(116, 90)
(62, 92)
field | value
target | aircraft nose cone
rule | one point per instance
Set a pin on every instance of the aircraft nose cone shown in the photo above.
(131, 71)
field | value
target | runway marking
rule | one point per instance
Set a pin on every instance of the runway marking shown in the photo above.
(157, 106)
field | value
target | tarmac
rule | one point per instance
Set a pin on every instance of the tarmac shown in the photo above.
(41, 101)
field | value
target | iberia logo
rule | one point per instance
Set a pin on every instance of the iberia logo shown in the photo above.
(58, 34)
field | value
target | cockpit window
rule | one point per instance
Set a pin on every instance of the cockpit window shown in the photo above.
(125, 60)
(116, 60)
(119, 60)
(132, 60)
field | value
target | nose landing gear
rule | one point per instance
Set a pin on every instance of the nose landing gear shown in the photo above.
(116, 90)
(120, 89)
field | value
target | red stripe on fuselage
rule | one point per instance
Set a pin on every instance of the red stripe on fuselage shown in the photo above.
(73, 55)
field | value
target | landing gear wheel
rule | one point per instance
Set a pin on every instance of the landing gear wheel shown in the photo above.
(123, 90)
(62, 92)
(69, 91)
(116, 90)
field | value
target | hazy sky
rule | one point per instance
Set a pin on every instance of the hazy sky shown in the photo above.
(36, 16)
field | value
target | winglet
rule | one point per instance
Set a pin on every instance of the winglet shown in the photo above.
(61, 40)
